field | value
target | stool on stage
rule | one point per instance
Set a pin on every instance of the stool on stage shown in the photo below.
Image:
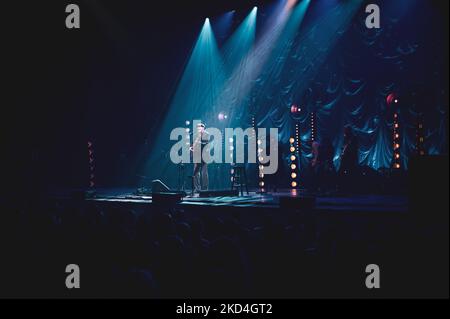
(239, 179)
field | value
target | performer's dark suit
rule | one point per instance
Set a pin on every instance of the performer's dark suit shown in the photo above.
(348, 170)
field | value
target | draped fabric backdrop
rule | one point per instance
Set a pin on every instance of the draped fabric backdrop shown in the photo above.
(348, 85)
(335, 68)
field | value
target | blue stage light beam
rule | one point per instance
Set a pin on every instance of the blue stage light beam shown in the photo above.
(202, 77)
(316, 42)
(235, 48)
(240, 82)
(295, 70)
(279, 55)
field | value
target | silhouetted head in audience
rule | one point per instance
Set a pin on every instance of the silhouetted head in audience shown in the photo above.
(232, 228)
(214, 227)
(197, 229)
(225, 253)
(184, 230)
(139, 283)
(226, 272)
(163, 226)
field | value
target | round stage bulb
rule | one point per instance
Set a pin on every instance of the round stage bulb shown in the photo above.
(293, 158)
(292, 149)
(292, 140)
(293, 166)
(231, 140)
(221, 116)
(259, 142)
(294, 184)
(188, 123)
(294, 175)
(261, 158)
(261, 184)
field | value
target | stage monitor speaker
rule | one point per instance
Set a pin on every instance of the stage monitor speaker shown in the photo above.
(168, 199)
(161, 194)
(297, 203)
(159, 187)
(219, 193)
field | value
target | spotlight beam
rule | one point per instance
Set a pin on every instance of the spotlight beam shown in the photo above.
(197, 89)
(241, 80)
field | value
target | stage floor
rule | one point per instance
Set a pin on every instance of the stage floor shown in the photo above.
(334, 203)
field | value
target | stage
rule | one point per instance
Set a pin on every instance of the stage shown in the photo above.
(280, 200)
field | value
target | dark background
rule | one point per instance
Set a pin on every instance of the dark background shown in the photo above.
(51, 107)
(108, 83)
(111, 83)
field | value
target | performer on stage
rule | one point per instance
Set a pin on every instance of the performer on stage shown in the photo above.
(201, 169)
(322, 165)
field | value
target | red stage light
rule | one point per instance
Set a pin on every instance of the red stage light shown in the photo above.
(392, 98)
(295, 109)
